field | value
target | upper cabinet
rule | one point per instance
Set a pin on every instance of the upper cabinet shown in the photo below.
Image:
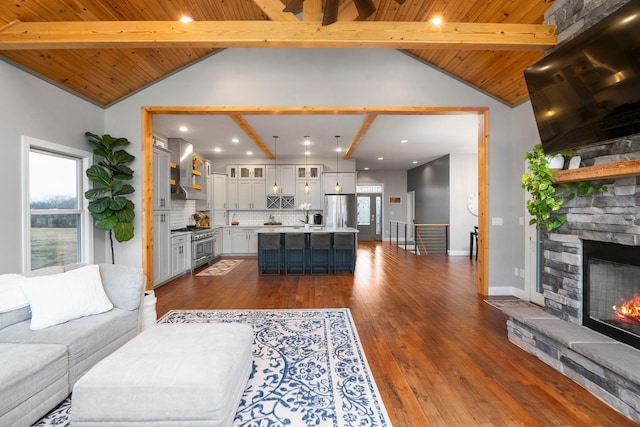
(251, 172)
(308, 172)
(161, 178)
(347, 181)
(284, 176)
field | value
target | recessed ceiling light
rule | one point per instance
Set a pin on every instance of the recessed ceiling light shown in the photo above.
(366, 169)
(404, 141)
(307, 141)
(183, 129)
(436, 20)
(307, 153)
(414, 162)
(235, 140)
(217, 149)
(339, 150)
(186, 19)
(249, 153)
(380, 158)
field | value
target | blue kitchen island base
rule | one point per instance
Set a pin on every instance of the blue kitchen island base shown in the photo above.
(332, 251)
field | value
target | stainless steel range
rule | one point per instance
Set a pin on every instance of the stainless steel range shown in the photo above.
(203, 243)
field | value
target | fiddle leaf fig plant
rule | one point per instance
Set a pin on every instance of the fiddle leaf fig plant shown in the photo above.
(109, 205)
(547, 197)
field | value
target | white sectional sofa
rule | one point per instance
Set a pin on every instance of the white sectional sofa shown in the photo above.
(39, 367)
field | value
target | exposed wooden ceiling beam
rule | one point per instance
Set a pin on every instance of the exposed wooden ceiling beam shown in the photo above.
(364, 127)
(256, 34)
(246, 127)
(274, 10)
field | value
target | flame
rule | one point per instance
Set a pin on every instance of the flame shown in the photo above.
(628, 311)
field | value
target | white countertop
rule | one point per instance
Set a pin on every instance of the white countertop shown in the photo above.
(312, 229)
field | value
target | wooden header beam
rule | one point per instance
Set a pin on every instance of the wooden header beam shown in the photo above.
(263, 34)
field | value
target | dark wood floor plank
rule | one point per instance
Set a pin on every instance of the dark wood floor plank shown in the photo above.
(439, 354)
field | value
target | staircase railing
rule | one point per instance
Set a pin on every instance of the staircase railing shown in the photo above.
(421, 239)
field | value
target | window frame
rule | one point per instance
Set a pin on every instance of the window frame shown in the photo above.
(85, 159)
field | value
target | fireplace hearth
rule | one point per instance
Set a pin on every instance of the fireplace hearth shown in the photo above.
(611, 276)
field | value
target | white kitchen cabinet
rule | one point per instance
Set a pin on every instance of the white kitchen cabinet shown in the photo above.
(180, 254)
(161, 177)
(218, 247)
(251, 195)
(232, 194)
(250, 172)
(244, 241)
(218, 192)
(205, 205)
(309, 172)
(347, 182)
(314, 197)
(284, 176)
(161, 247)
(218, 218)
(226, 240)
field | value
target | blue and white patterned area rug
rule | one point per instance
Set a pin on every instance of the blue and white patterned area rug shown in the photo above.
(309, 369)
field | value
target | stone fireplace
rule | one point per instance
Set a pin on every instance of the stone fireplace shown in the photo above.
(590, 264)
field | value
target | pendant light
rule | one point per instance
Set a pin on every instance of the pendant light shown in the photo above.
(276, 190)
(306, 165)
(337, 189)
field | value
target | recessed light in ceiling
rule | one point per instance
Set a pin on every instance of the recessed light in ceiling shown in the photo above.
(249, 153)
(414, 162)
(235, 140)
(307, 153)
(339, 150)
(217, 149)
(183, 129)
(307, 140)
(404, 141)
(186, 19)
(436, 20)
(366, 169)
(380, 158)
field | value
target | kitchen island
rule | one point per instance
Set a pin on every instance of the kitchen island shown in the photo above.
(313, 250)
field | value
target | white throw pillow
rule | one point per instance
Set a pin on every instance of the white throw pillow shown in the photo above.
(11, 295)
(59, 298)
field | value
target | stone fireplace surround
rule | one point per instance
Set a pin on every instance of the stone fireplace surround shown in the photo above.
(607, 368)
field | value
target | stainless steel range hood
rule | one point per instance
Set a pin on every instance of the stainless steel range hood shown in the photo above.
(182, 156)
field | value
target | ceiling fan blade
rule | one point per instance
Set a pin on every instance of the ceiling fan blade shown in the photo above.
(365, 8)
(293, 6)
(330, 14)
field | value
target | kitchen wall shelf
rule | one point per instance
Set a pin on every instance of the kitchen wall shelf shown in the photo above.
(172, 165)
(172, 182)
(606, 171)
(197, 186)
(197, 172)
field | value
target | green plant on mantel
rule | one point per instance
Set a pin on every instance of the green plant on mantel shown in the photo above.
(109, 205)
(546, 196)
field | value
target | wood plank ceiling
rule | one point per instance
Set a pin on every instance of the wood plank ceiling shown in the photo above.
(105, 75)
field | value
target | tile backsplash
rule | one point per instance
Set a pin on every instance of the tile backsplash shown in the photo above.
(182, 211)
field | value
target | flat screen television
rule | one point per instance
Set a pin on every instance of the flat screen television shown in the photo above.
(588, 90)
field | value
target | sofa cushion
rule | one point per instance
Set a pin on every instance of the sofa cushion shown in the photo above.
(27, 370)
(58, 298)
(83, 337)
(124, 285)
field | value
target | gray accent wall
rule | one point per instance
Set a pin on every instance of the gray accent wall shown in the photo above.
(430, 182)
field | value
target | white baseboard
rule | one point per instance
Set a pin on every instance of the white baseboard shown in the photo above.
(458, 253)
(506, 291)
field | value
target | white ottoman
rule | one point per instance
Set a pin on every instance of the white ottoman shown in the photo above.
(170, 374)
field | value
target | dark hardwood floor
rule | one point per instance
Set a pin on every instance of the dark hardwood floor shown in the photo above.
(439, 354)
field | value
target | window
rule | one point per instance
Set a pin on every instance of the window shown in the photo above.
(57, 226)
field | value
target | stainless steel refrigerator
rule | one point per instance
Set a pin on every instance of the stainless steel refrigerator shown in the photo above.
(340, 210)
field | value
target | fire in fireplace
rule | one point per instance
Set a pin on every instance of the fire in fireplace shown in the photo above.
(628, 311)
(611, 285)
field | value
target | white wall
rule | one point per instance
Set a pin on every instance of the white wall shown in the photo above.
(463, 181)
(34, 108)
(255, 77)
(330, 77)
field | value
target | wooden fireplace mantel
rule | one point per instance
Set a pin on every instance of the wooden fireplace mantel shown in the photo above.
(592, 173)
